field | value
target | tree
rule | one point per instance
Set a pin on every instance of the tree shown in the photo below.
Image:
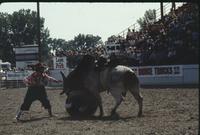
(24, 27)
(78, 43)
(86, 41)
(6, 52)
(57, 44)
(20, 28)
(45, 49)
(112, 38)
(92, 41)
(149, 18)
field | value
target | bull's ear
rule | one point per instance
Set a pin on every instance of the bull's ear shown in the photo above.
(63, 75)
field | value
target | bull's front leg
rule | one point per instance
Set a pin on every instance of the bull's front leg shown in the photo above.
(62, 92)
(99, 102)
(101, 110)
(117, 94)
(118, 102)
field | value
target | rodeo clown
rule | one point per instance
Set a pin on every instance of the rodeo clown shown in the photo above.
(36, 90)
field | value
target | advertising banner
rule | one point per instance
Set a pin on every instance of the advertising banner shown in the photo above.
(149, 71)
(168, 70)
(23, 64)
(11, 75)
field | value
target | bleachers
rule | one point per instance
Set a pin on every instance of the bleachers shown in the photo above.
(166, 41)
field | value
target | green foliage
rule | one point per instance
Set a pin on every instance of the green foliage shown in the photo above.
(78, 43)
(20, 28)
(149, 18)
(45, 50)
(6, 53)
(112, 38)
(57, 44)
(86, 41)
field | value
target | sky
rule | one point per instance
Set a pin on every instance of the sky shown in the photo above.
(67, 20)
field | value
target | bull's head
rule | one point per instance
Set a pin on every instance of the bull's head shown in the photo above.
(75, 78)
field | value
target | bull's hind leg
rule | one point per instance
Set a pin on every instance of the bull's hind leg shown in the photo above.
(137, 95)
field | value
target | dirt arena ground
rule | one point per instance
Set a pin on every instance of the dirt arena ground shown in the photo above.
(167, 111)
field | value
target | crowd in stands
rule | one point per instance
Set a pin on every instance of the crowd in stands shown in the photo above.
(97, 51)
(171, 40)
(74, 56)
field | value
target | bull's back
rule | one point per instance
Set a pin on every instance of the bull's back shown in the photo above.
(119, 75)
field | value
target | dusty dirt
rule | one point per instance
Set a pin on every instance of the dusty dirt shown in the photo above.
(167, 111)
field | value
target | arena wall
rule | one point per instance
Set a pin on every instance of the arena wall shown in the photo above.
(187, 75)
(166, 75)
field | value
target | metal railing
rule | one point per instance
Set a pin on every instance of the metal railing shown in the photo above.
(136, 27)
(5, 84)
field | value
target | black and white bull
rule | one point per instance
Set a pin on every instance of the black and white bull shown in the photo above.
(117, 80)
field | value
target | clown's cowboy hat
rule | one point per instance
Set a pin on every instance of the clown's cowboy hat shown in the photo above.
(40, 67)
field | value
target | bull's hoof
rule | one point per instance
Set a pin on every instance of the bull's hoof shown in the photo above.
(81, 104)
(140, 115)
(114, 115)
(100, 115)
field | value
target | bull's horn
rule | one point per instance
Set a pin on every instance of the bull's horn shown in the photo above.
(63, 75)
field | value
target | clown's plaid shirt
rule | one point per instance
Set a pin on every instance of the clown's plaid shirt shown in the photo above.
(38, 79)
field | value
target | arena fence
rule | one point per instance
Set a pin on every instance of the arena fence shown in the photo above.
(148, 75)
(13, 79)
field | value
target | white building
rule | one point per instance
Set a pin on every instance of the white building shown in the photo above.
(5, 65)
(112, 48)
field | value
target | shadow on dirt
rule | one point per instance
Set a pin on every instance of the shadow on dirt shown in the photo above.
(105, 118)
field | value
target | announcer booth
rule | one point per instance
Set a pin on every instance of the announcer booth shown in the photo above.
(26, 55)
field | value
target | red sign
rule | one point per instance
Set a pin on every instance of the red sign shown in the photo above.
(59, 62)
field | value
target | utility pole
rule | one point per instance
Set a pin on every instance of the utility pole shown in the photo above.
(173, 6)
(161, 10)
(38, 33)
